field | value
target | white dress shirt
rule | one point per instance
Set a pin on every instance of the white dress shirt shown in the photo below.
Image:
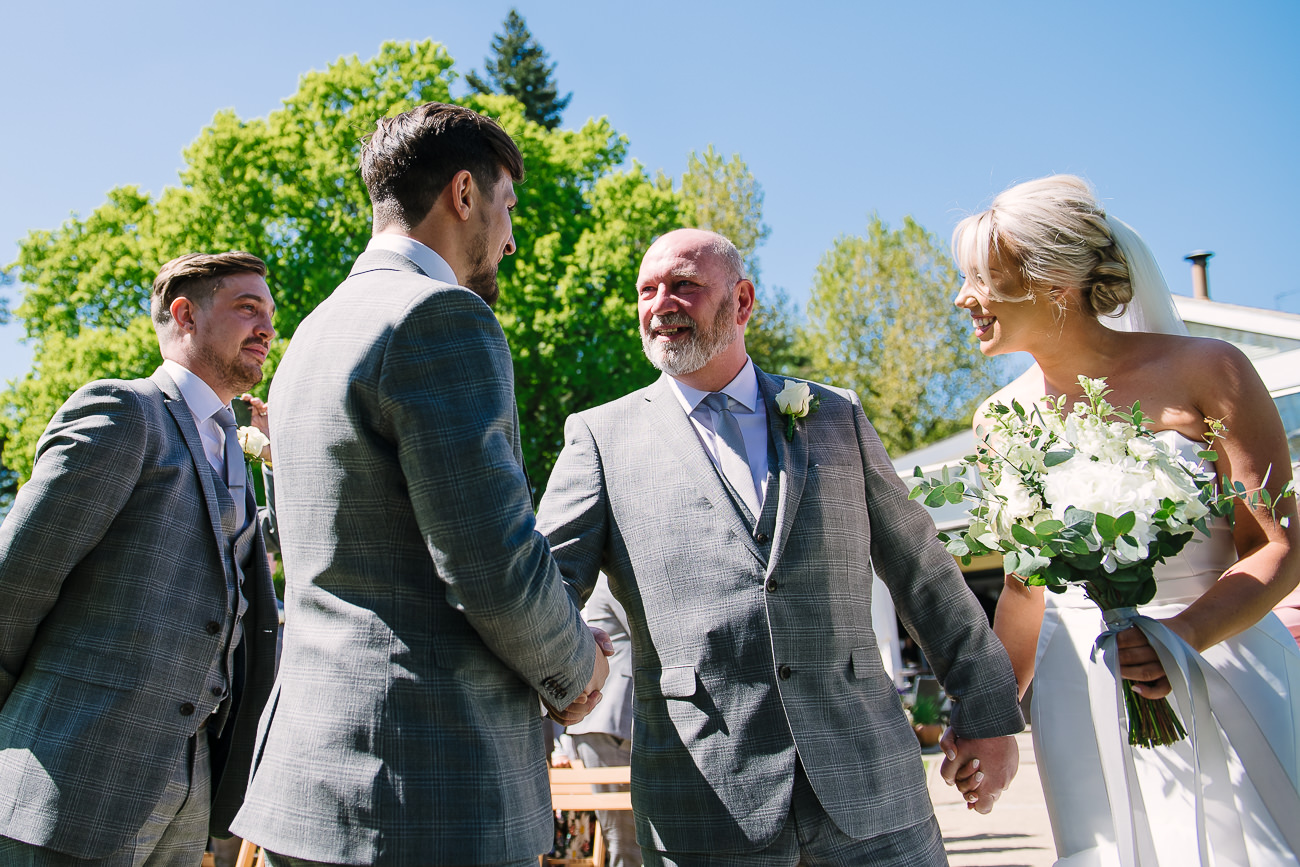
(753, 425)
(429, 261)
(203, 402)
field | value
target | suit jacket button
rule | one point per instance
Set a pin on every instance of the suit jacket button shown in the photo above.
(761, 538)
(216, 691)
(771, 585)
(187, 709)
(213, 627)
(784, 672)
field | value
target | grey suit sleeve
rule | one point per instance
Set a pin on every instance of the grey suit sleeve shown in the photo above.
(447, 390)
(934, 602)
(87, 464)
(574, 510)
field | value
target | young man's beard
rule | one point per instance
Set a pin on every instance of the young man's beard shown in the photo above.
(237, 374)
(482, 277)
(697, 350)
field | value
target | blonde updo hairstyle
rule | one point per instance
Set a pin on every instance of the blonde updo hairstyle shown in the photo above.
(1054, 232)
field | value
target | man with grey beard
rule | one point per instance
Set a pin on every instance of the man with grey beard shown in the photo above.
(738, 518)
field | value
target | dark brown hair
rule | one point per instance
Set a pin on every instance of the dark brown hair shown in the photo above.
(409, 159)
(197, 276)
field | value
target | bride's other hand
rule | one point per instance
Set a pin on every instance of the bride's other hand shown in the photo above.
(1139, 663)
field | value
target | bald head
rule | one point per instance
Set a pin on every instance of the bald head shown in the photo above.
(706, 244)
(693, 301)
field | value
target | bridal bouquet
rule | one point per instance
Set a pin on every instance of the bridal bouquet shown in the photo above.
(1085, 496)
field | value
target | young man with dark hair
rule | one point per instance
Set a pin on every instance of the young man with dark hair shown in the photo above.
(424, 613)
(138, 630)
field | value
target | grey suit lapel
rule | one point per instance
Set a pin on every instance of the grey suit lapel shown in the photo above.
(667, 415)
(792, 463)
(180, 411)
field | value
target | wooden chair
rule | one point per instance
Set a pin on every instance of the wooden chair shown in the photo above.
(250, 855)
(571, 790)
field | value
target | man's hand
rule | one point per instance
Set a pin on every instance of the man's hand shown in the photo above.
(591, 694)
(260, 414)
(980, 768)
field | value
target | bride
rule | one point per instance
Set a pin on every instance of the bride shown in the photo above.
(1049, 273)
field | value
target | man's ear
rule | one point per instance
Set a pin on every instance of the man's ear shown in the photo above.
(182, 310)
(463, 193)
(744, 301)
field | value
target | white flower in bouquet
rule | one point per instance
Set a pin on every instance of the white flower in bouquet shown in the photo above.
(1013, 502)
(1108, 487)
(1095, 438)
(1024, 454)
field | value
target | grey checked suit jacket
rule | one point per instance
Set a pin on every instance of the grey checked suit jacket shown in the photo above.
(424, 614)
(751, 648)
(112, 576)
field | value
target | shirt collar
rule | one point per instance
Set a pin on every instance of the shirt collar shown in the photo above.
(743, 389)
(198, 395)
(423, 256)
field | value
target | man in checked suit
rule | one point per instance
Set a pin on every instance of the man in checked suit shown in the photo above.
(138, 627)
(766, 730)
(424, 614)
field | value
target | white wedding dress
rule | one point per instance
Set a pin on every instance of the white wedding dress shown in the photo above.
(1261, 665)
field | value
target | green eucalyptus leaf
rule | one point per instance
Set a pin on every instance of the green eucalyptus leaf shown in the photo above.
(1047, 529)
(1024, 535)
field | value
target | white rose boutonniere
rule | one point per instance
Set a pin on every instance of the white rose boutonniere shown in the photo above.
(796, 401)
(252, 441)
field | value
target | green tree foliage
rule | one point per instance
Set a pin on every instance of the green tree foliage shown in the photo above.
(881, 321)
(773, 334)
(62, 364)
(518, 68)
(287, 188)
(723, 196)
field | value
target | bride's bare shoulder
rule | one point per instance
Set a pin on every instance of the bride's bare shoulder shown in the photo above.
(1192, 357)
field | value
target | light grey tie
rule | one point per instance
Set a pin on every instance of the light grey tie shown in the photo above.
(732, 454)
(235, 476)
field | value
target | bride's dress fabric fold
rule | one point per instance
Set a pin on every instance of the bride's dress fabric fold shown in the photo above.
(1260, 665)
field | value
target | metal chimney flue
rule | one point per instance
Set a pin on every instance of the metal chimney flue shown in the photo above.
(1200, 273)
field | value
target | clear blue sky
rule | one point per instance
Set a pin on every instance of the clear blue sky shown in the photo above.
(1185, 115)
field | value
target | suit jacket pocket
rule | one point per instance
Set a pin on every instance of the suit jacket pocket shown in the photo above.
(675, 681)
(866, 662)
(95, 667)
